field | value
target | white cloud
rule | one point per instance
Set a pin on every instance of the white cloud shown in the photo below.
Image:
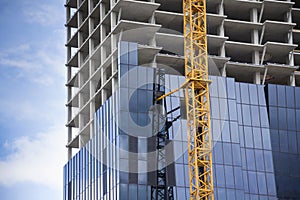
(43, 14)
(37, 160)
(40, 62)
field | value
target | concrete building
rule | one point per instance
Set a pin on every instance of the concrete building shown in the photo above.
(254, 59)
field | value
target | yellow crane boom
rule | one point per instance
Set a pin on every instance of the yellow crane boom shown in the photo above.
(197, 100)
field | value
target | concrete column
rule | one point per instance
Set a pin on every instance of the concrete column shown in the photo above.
(292, 81)
(254, 36)
(256, 78)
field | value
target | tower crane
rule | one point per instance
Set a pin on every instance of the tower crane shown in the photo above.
(197, 100)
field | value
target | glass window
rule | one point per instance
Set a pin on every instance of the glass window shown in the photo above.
(234, 132)
(221, 87)
(241, 135)
(283, 141)
(290, 97)
(275, 140)
(257, 138)
(221, 193)
(250, 159)
(268, 159)
(266, 138)
(246, 115)
(271, 184)
(133, 54)
(259, 159)
(297, 95)
(292, 142)
(261, 95)
(244, 93)
(214, 103)
(230, 194)
(132, 192)
(213, 89)
(123, 52)
(142, 191)
(238, 178)
(218, 153)
(255, 116)
(245, 177)
(264, 119)
(248, 137)
(252, 182)
(230, 88)
(291, 119)
(220, 176)
(223, 109)
(225, 132)
(237, 92)
(253, 94)
(232, 110)
(273, 117)
(227, 153)
(239, 113)
(272, 92)
(282, 121)
(236, 152)
(281, 95)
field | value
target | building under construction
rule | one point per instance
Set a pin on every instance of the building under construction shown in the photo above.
(124, 144)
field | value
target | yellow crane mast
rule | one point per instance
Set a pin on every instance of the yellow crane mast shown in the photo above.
(197, 100)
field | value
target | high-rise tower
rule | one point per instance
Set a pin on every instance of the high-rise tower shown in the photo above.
(122, 54)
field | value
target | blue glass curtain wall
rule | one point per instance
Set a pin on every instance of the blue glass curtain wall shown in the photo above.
(252, 158)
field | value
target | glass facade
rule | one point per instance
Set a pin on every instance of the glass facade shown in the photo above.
(284, 112)
(252, 158)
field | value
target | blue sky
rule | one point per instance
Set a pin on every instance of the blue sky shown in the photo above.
(32, 111)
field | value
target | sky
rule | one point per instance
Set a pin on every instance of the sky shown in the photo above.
(32, 99)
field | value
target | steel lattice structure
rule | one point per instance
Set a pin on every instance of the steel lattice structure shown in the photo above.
(197, 100)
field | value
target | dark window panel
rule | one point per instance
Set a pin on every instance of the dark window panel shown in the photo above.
(292, 138)
(273, 117)
(283, 138)
(282, 118)
(264, 119)
(272, 95)
(281, 96)
(228, 176)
